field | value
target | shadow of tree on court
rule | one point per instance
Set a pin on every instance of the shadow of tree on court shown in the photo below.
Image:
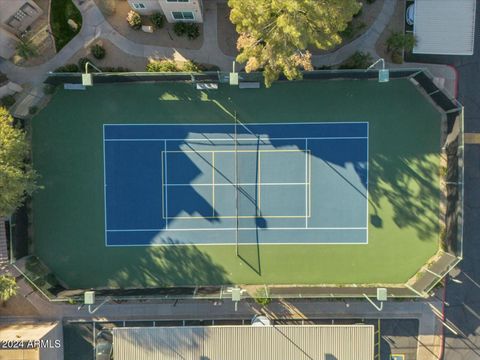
(166, 266)
(411, 187)
(404, 145)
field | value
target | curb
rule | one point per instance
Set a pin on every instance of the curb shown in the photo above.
(455, 90)
(442, 335)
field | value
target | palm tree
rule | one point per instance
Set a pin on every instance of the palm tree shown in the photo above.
(26, 49)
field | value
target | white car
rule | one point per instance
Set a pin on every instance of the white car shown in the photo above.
(261, 320)
(410, 14)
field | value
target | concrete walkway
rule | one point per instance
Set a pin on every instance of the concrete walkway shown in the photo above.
(424, 311)
(95, 26)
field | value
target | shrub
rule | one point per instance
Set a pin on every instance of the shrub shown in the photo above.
(359, 12)
(108, 7)
(352, 30)
(395, 41)
(68, 68)
(208, 67)
(114, 69)
(180, 28)
(98, 51)
(49, 89)
(396, 57)
(261, 297)
(32, 110)
(190, 66)
(82, 61)
(192, 30)
(7, 101)
(443, 172)
(162, 66)
(409, 42)
(398, 41)
(157, 19)
(26, 49)
(8, 287)
(358, 60)
(134, 20)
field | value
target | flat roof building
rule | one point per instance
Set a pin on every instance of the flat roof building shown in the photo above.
(319, 342)
(444, 27)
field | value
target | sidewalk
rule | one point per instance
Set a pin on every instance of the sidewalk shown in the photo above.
(429, 338)
(96, 27)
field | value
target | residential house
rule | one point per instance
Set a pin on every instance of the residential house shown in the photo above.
(174, 10)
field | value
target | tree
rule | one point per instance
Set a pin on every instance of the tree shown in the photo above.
(17, 177)
(26, 49)
(8, 287)
(275, 35)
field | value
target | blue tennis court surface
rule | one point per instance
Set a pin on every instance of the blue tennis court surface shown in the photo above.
(287, 183)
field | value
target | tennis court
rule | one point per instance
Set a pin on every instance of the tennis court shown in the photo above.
(289, 183)
(140, 187)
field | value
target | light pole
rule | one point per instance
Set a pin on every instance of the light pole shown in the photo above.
(383, 74)
(381, 296)
(87, 78)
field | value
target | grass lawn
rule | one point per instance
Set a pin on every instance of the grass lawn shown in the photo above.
(403, 186)
(60, 12)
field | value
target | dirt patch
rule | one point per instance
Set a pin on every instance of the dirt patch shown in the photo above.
(41, 38)
(114, 57)
(18, 306)
(396, 24)
(160, 37)
(227, 36)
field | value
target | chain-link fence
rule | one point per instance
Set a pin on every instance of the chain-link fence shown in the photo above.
(451, 237)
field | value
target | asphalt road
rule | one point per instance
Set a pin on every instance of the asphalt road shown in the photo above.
(463, 299)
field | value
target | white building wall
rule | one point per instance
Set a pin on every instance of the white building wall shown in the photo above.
(195, 6)
(148, 7)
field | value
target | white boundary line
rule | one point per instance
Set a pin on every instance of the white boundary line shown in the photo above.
(240, 184)
(213, 184)
(230, 244)
(104, 186)
(166, 187)
(208, 141)
(228, 139)
(368, 174)
(248, 123)
(233, 151)
(307, 154)
(234, 229)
